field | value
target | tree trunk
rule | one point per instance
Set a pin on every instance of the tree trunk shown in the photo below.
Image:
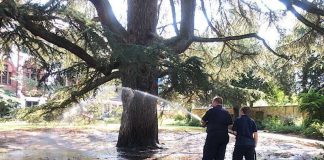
(139, 124)
(236, 109)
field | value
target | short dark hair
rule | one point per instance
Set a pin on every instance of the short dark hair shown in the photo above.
(218, 99)
(246, 110)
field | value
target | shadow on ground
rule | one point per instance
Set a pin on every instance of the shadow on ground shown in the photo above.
(76, 144)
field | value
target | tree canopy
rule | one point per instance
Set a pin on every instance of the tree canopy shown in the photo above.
(85, 41)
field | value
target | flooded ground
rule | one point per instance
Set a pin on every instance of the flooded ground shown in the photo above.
(83, 144)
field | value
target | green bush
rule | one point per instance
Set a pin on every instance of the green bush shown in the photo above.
(271, 123)
(288, 121)
(33, 115)
(312, 103)
(179, 117)
(194, 122)
(314, 130)
(187, 120)
(259, 125)
(23, 114)
(4, 109)
(285, 125)
(289, 129)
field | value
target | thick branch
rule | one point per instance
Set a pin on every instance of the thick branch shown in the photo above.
(174, 18)
(58, 40)
(301, 18)
(224, 39)
(307, 6)
(181, 42)
(89, 87)
(244, 36)
(107, 17)
(187, 18)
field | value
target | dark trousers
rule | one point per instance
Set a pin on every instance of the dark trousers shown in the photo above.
(215, 146)
(246, 151)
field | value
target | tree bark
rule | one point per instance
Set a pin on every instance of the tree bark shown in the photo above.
(141, 21)
(139, 124)
(236, 109)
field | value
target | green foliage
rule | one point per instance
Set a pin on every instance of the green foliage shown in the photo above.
(7, 102)
(179, 117)
(312, 103)
(194, 122)
(186, 120)
(251, 81)
(312, 73)
(36, 115)
(314, 130)
(276, 124)
(277, 96)
(254, 84)
(260, 125)
(188, 77)
(4, 109)
(288, 125)
(22, 114)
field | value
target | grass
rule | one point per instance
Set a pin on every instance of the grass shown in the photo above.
(180, 128)
(20, 125)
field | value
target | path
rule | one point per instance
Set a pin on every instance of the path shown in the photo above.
(63, 144)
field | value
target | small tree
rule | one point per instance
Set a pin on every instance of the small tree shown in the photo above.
(7, 102)
(312, 103)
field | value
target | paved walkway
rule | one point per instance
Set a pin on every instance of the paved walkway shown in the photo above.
(73, 144)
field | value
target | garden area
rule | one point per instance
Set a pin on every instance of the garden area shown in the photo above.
(132, 79)
(75, 136)
(66, 141)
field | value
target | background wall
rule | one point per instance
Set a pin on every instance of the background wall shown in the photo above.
(261, 112)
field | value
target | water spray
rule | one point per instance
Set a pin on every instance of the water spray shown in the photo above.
(176, 105)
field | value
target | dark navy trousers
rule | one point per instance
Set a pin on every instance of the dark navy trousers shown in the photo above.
(215, 146)
(240, 151)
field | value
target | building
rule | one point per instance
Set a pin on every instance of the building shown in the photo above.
(19, 75)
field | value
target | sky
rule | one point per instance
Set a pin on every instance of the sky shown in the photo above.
(268, 33)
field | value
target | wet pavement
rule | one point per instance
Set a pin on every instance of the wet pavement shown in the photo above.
(77, 144)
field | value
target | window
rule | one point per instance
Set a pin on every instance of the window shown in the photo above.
(31, 103)
(5, 76)
(31, 73)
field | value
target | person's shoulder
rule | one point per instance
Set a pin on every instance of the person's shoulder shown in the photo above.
(252, 120)
(238, 118)
(225, 110)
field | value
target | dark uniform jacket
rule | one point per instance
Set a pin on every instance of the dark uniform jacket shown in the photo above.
(218, 120)
(244, 127)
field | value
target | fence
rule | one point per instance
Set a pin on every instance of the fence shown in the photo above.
(261, 112)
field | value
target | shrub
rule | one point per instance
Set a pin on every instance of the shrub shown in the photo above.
(4, 109)
(194, 122)
(312, 103)
(22, 114)
(286, 125)
(33, 115)
(271, 123)
(314, 130)
(259, 125)
(179, 117)
(289, 129)
(288, 121)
